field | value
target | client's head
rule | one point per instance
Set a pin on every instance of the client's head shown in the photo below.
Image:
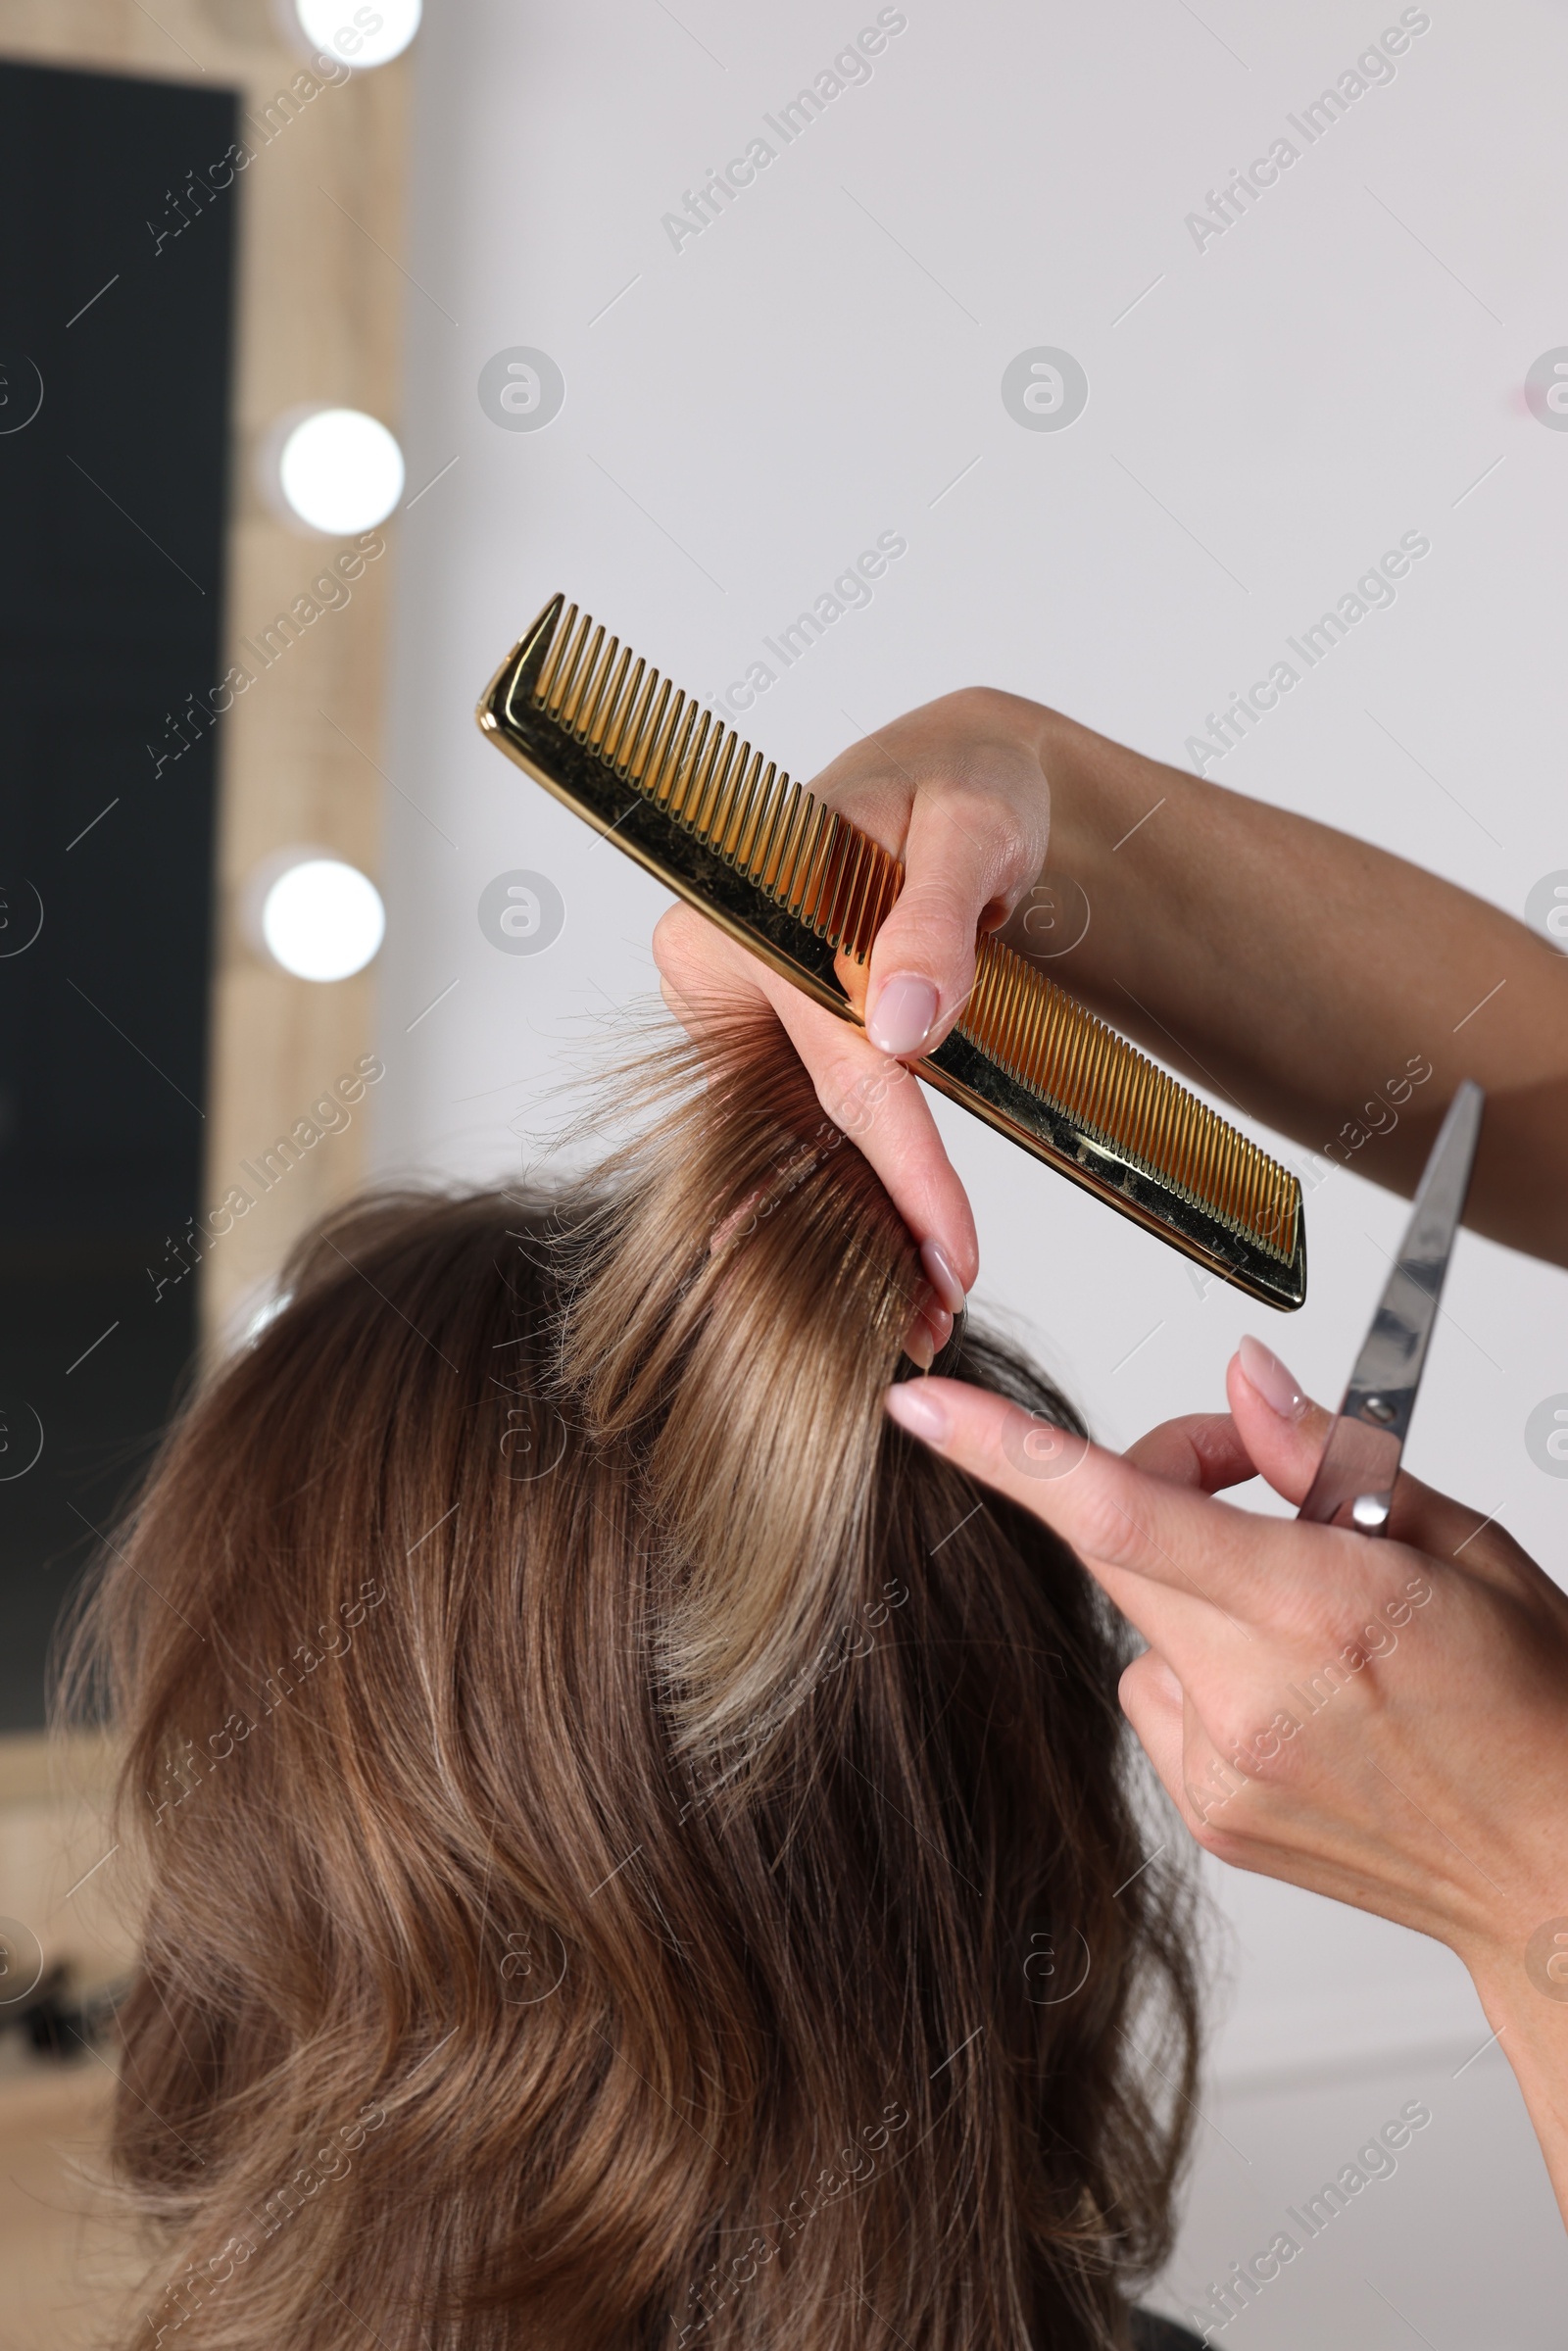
(634, 1851)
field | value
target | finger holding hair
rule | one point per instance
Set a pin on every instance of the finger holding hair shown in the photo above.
(877, 1105)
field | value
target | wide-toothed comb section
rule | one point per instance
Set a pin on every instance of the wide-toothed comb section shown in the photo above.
(1029, 1027)
(695, 766)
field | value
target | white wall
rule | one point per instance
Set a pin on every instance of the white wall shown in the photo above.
(1340, 367)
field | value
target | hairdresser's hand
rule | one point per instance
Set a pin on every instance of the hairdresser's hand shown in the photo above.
(1432, 1785)
(1385, 1721)
(957, 790)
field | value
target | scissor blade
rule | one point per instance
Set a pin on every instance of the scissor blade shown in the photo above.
(1362, 1456)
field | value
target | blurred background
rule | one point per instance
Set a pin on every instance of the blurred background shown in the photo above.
(332, 343)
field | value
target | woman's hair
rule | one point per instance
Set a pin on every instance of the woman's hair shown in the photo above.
(633, 1850)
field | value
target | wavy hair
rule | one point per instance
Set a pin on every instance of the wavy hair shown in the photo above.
(632, 1851)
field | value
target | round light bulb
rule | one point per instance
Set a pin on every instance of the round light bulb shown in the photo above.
(321, 920)
(339, 471)
(361, 35)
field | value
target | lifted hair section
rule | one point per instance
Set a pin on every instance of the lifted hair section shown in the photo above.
(754, 1416)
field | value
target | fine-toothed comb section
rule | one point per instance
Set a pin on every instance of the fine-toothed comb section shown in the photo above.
(682, 793)
(1035, 1030)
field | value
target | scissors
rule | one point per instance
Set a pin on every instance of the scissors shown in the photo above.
(1354, 1482)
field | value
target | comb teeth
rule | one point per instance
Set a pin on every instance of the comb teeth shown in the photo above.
(836, 880)
(813, 863)
(1040, 1037)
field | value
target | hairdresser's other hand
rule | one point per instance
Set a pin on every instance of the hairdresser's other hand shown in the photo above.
(1383, 1721)
(1367, 1718)
(957, 790)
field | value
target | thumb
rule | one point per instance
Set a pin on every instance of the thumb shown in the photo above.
(1285, 1433)
(962, 862)
(1282, 1429)
(1201, 1450)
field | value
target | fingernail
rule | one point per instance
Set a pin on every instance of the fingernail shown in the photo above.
(906, 1009)
(941, 1275)
(1277, 1387)
(915, 1409)
(930, 1329)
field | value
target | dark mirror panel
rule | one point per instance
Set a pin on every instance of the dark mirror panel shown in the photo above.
(115, 300)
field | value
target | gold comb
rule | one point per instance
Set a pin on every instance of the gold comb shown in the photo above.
(798, 884)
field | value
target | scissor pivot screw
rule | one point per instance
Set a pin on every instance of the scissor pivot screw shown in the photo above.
(1379, 1408)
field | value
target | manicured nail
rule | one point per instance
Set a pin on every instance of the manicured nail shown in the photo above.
(930, 1329)
(915, 1409)
(906, 1009)
(1277, 1387)
(941, 1275)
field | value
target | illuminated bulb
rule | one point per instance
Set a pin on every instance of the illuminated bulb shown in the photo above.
(336, 469)
(319, 918)
(360, 34)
